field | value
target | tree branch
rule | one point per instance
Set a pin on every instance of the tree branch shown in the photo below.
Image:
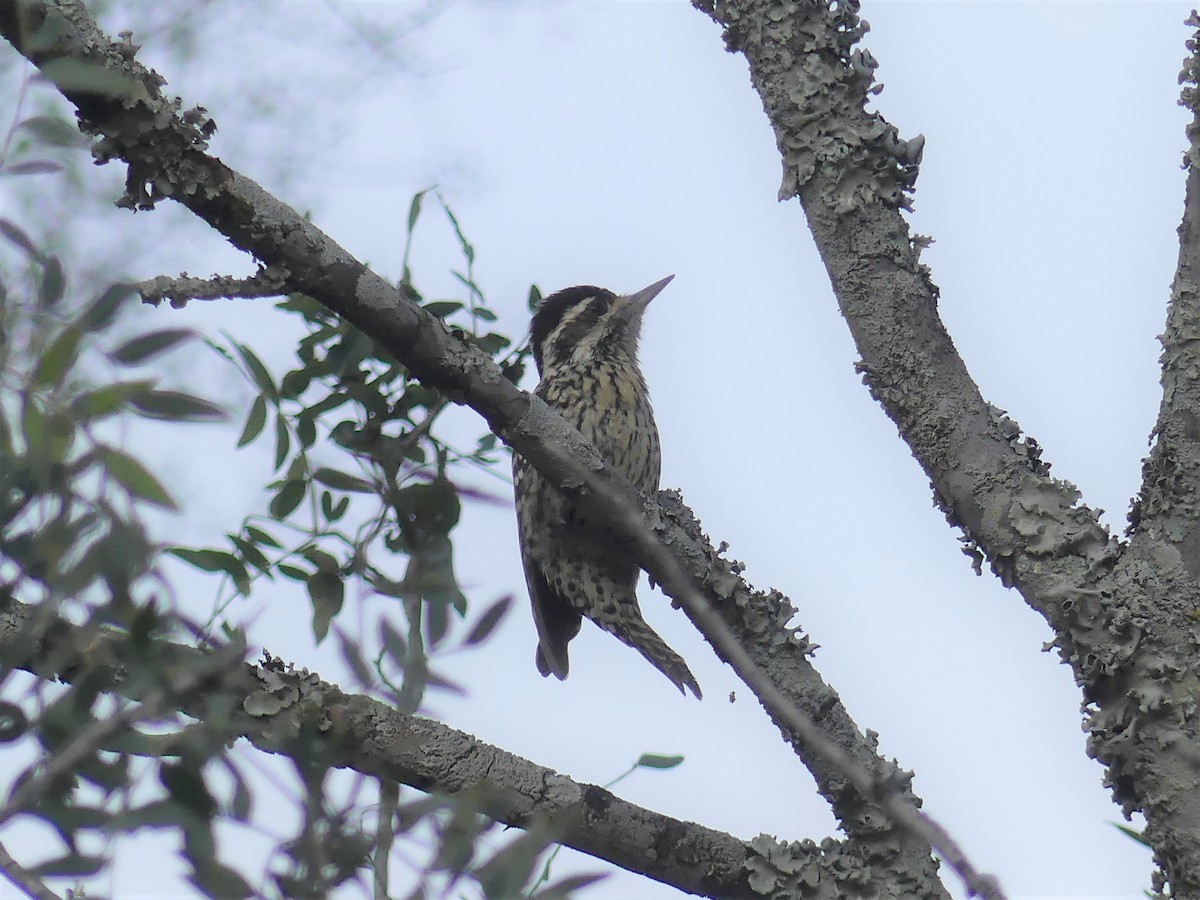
(296, 714)
(179, 290)
(24, 880)
(1123, 617)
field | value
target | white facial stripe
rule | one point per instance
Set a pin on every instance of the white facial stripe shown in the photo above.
(570, 316)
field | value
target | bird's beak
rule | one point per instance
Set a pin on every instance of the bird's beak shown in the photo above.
(635, 304)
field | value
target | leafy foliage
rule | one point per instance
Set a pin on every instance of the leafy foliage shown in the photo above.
(73, 544)
(362, 478)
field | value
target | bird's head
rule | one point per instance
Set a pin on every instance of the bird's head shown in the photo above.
(583, 323)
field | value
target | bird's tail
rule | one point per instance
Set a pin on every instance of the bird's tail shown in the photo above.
(645, 640)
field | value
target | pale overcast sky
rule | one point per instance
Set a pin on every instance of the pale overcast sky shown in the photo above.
(617, 142)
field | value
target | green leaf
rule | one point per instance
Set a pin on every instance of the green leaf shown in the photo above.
(487, 622)
(134, 477)
(295, 383)
(73, 864)
(186, 786)
(174, 406)
(53, 283)
(33, 426)
(482, 312)
(306, 431)
(535, 297)
(294, 572)
(492, 342)
(657, 761)
(156, 814)
(58, 358)
(352, 656)
(393, 643)
(32, 167)
(414, 209)
(283, 440)
(252, 554)
(258, 371)
(147, 346)
(328, 593)
(284, 503)
(55, 131)
(1133, 834)
(107, 400)
(443, 308)
(333, 511)
(21, 239)
(256, 420)
(103, 311)
(216, 880)
(209, 560)
(324, 562)
(262, 537)
(343, 481)
(240, 806)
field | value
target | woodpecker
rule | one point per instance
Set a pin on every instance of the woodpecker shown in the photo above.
(585, 342)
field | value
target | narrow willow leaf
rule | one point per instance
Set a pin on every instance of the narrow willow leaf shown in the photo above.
(58, 358)
(73, 864)
(492, 616)
(147, 346)
(53, 283)
(327, 592)
(107, 400)
(284, 503)
(258, 371)
(103, 311)
(256, 420)
(658, 761)
(20, 238)
(283, 441)
(33, 167)
(134, 477)
(343, 481)
(175, 406)
(54, 130)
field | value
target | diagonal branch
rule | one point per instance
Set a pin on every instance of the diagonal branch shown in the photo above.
(294, 713)
(851, 172)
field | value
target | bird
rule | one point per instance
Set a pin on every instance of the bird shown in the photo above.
(585, 345)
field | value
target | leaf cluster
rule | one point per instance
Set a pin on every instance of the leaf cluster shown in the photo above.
(74, 543)
(364, 479)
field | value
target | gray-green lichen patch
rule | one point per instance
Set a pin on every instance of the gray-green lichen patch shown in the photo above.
(1189, 94)
(815, 84)
(779, 869)
(291, 699)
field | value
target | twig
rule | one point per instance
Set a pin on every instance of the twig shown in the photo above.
(28, 883)
(179, 290)
(385, 834)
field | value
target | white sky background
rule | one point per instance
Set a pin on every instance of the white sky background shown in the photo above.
(615, 143)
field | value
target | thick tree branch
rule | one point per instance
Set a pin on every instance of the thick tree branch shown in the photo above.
(1154, 695)
(165, 156)
(1123, 619)
(294, 713)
